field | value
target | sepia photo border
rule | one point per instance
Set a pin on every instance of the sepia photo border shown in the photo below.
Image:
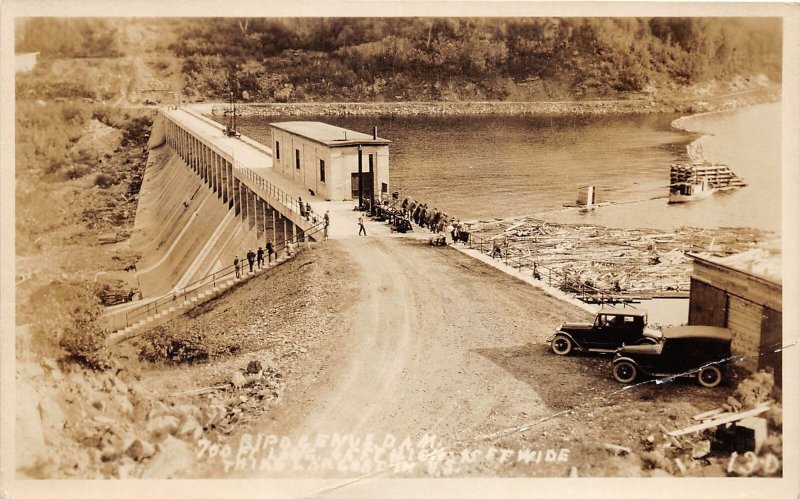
(785, 486)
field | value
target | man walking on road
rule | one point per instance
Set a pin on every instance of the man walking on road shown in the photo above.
(361, 226)
(236, 266)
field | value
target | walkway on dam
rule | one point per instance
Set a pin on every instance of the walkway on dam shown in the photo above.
(258, 158)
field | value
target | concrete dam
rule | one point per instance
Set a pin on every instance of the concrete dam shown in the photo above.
(207, 198)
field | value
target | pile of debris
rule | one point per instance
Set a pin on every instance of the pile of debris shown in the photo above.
(743, 437)
(615, 260)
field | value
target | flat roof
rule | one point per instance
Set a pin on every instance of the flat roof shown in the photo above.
(329, 135)
(762, 262)
(638, 312)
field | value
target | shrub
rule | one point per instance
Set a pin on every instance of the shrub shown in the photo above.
(74, 314)
(104, 180)
(163, 345)
(76, 171)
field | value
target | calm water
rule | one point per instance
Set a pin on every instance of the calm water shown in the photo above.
(482, 167)
(749, 141)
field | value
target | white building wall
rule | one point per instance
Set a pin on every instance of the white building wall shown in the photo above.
(340, 162)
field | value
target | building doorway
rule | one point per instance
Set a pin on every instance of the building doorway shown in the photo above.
(367, 193)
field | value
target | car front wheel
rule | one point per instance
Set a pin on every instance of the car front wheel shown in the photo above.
(561, 345)
(709, 376)
(625, 372)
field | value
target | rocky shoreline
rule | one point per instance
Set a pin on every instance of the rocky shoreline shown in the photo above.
(696, 104)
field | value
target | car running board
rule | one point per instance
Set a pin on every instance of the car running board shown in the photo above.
(600, 350)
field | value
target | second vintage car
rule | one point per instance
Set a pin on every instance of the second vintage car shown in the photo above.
(612, 328)
(692, 351)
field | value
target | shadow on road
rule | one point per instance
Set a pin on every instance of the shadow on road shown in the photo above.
(564, 382)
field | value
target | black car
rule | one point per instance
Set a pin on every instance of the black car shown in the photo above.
(612, 328)
(701, 351)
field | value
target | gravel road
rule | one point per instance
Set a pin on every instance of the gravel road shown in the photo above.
(423, 350)
(431, 343)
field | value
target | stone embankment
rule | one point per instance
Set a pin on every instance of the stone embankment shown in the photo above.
(701, 102)
(75, 423)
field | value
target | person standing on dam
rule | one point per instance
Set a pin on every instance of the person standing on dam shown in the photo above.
(251, 259)
(270, 250)
(236, 266)
(260, 257)
(361, 226)
(327, 221)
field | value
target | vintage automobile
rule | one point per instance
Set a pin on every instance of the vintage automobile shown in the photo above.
(612, 328)
(700, 351)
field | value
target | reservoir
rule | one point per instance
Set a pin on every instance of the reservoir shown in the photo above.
(485, 167)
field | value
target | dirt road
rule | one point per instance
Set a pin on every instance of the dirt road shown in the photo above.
(425, 349)
(412, 361)
(440, 346)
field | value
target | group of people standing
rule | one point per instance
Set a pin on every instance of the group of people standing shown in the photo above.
(435, 220)
(306, 211)
(255, 258)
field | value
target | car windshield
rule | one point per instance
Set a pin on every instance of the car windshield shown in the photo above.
(620, 320)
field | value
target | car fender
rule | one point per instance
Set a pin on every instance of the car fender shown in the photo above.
(574, 342)
(621, 358)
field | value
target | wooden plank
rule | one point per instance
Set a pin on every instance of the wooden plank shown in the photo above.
(708, 414)
(771, 337)
(739, 283)
(706, 304)
(744, 321)
(727, 418)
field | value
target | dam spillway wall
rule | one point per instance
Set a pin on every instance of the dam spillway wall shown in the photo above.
(199, 209)
(181, 230)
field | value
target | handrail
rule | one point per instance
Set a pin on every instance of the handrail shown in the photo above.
(212, 278)
(268, 188)
(562, 277)
(264, 185)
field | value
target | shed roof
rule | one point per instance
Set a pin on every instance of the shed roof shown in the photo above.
(329, 135)
(762, 262)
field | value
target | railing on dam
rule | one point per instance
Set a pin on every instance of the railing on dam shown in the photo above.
(254, 181)
(265, 188)
(206, 283)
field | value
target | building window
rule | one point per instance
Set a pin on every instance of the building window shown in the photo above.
(277, 150)
(322, 170)
(297, 158)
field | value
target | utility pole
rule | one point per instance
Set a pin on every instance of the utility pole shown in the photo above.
(233, 85)
(360, 178)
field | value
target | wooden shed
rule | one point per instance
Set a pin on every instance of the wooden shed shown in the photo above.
(725, 293)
